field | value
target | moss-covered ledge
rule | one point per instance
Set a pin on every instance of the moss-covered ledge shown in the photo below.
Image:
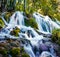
(31, 22)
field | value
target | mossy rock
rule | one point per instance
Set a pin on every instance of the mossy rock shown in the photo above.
(15, 31)
(1, 22)
(56, 36)
(15, 51)
(31, 22)
(25, 55)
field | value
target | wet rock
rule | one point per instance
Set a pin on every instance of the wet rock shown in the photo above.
(57, 49)
(43, 47)
(48, 43)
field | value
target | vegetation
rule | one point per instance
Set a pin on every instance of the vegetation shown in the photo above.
(7, 16)
(15, 31)
(25, 55)
(56, 36)
(15, 51)
(7, 49)
(1, 22)
(45, 7)
(31, 22)
(3, 51)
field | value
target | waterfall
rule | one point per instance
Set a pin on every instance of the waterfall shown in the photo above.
(33, 39)
(39, 21)
(29, 50)
(17, 19)
(53, 24)
(52, 50)
(45, 24)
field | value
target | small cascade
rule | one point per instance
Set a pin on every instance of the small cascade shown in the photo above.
(36, 46)
(29, 50)
(38, 21)
(52, 50)
(17, 19)
(52, 23)
(45, 24)
(42, 25)
(46, 54)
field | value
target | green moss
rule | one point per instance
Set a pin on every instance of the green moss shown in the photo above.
(31, 22)
(15, 51)
(1, 22)
(56, 36)
(25, 55)
(15, 32)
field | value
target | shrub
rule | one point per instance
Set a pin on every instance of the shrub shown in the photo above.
(15, 51)
(56, 36)
(3, 51)
(15, 32)
(25, 55)
(31, 22)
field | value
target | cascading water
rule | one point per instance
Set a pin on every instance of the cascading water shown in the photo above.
(45, 24)
(17, 19)
(46, 54)
(29, 50)
(52, 23)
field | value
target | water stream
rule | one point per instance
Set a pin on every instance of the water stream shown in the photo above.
(45, 24)
(36, 47)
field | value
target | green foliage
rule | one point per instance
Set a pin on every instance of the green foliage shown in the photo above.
(56, 36)
(3, 51)
(25, 55)
(31, 22)
(1, 23)
(13, 48)
(45, 7)
(19, 6)
(7, 16)
(15, 32)
(15, 51)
